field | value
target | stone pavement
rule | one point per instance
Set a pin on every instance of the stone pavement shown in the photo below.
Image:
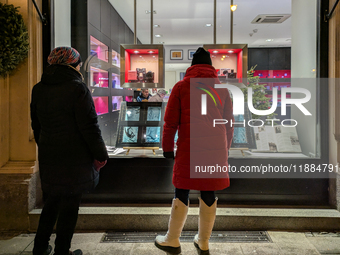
(283, 243)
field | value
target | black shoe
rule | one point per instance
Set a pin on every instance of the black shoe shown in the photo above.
(199, 251)
(76, 252)
(169, 249)
(48, 250)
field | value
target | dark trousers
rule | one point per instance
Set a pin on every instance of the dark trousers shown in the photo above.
(64, 211)
(208, 197)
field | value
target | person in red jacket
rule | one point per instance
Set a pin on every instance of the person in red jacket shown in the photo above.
(198, 141)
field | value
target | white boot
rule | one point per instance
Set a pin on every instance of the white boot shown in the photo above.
(170, 242)
(206, 222)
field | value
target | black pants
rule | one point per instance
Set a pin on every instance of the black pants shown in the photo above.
(64, 211)
(208, 197)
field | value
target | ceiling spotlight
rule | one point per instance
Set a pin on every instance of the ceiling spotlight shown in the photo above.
(208, 25)
(150, 51)
(269, 40)
(136, 51)
(156, 25)
(233, 7)
(158, 35)
(230, 51)
(223, 56)
(215, 51)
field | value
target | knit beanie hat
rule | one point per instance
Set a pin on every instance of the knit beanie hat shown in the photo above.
(64, 56)
(201, 56)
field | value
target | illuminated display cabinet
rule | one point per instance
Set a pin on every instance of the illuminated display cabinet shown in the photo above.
(229, 60)
(142, 66)
(104, 82)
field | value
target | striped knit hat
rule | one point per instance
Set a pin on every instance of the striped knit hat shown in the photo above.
(64, 56)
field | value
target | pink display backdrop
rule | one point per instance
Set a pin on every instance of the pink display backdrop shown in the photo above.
(150, 62)
(101, 104)
(100, 77)
(273, 73)
(100, 48)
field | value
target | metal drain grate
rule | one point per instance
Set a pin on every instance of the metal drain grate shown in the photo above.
(188, 236)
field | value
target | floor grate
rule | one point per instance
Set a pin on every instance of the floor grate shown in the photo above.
(188, 236)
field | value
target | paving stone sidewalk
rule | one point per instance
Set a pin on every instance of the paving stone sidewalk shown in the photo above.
(283, 243)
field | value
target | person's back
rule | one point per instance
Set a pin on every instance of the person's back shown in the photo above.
(70, 147)
(197, 140)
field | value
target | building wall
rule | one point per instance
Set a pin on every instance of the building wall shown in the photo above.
(17, 145)
(334, 102)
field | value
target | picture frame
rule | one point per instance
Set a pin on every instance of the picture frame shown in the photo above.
(176, 54)
(191, 54)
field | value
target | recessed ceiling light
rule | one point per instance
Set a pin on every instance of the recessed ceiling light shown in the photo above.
(233, 7)
(208, 25)
(136, 51)
(148, 12)
(269, 40)
(151, 51)
(156, 25)
(158, 35)
(230, 51)
(215, 51)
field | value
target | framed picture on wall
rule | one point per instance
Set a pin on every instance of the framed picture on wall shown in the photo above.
(176, 54)
(191, 54)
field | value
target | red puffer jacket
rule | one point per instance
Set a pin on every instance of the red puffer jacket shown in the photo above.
(216, 141)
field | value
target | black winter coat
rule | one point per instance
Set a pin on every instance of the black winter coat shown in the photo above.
(65, 128)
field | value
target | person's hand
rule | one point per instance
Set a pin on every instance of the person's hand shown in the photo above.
(169, 154)
(99, 164)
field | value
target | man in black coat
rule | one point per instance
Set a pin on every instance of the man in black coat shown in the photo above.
(70, 147)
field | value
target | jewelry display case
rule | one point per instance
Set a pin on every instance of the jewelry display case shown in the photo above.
(101, 104)
(229, 60)
(99, 49)
(142, 66)
(99, 78)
